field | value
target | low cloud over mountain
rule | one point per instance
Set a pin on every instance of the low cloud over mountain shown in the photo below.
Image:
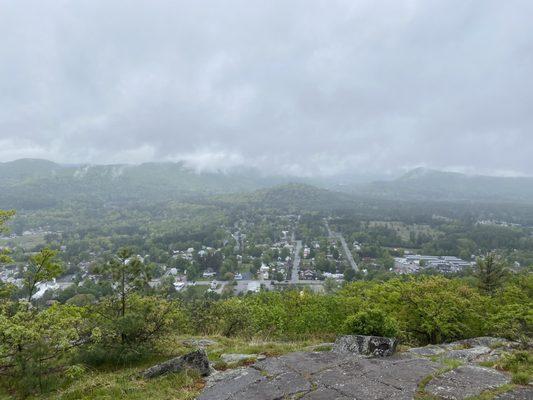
(302, 88)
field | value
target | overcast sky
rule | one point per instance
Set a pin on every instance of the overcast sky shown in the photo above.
(302, 87)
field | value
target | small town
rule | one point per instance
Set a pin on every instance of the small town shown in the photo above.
(266, 200)
(241, 266)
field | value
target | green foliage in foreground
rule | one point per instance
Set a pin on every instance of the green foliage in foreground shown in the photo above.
(43, 267)
(40, 346)
(424, 309)
(121, 384)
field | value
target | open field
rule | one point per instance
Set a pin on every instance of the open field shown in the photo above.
(404, 230)
(27, 242)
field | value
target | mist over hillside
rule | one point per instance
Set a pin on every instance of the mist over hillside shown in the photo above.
(39, 183)
(432, 185)
(30, 183)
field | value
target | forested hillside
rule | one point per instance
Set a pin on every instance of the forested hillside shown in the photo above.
(432, 185)
(34, 184)
(105, 270)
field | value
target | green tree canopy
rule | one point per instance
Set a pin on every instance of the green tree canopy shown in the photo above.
(42, 267)
(490, 272)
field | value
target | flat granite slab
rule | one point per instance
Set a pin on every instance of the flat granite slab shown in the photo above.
(466, 381)
(344, 375)
(322, 375)
(521, 393)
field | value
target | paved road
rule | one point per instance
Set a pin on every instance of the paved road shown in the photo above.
(347, 252)
(296, 263)
(330, 232)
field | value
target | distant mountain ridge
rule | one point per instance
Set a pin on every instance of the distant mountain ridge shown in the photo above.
(292, 197)
(31, 183)
(433, 185)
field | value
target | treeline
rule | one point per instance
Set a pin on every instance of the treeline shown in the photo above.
(424, 310)
(86, 230)
(42, 346)
(440, 237)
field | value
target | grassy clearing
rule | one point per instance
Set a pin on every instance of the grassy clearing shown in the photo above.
(323, 347)
(269, 348)
(122, 381)
(404, 230)
(119, 382)
(255, 346)
(27, 242)
(124, 385)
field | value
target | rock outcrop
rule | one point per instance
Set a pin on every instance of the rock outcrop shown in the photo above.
(321, 375)
(372, 346)
(359, 368)
(521, 393)
(465, 381)
(196, 360)
(473, 350)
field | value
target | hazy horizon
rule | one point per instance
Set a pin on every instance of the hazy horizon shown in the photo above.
(306, 88)
(339, 178)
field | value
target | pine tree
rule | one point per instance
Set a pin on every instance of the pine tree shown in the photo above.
(490, 272)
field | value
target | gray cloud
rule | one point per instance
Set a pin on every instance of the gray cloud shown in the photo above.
(302, 87)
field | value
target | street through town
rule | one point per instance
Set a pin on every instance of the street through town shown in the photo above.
(347, 253)
(296, 263)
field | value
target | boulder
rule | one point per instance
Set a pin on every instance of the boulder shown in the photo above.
(372, 346)
(195, 360)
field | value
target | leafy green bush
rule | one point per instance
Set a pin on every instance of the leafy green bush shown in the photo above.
(511, 314)
(438, 309)
(371, 322)
(512, 321)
